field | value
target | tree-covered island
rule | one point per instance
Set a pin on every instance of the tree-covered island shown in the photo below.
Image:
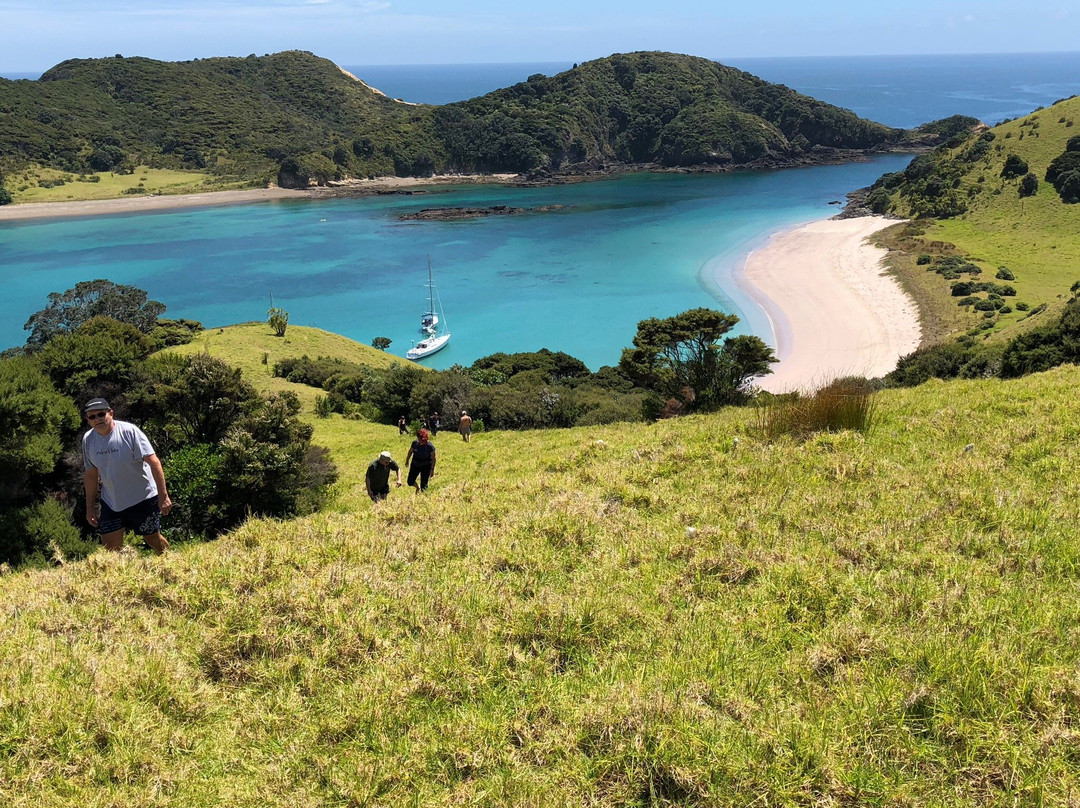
(295, 119)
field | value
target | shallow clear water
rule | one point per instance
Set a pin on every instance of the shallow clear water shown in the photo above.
(576, 280)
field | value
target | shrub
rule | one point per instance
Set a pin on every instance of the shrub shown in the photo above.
(1029, 185)
(923, 259)
(41, 534)
(194, 474)
(279, 320)
(879, 201)
(1005, 274)
(1014, 167)
(846, 403)
(941, 361)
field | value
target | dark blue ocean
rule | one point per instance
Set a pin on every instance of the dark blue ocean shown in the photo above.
(576, 280)
(902, 91)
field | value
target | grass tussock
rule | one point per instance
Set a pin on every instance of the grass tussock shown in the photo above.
(846, 403)
(621, 615)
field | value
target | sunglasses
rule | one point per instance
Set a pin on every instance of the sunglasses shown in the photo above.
(94, 416)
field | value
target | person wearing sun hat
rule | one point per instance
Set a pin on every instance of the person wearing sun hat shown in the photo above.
(377, 478)
(120, 465)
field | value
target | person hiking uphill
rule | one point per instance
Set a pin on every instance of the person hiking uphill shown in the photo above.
(422, 456)
(377, 478)
(120, 464)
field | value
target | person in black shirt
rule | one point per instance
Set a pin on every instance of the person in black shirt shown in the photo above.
(422, 455)
(378, 476)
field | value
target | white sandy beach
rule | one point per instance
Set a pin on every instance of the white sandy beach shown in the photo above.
(151, 202)
(833, 310)
(141, 203)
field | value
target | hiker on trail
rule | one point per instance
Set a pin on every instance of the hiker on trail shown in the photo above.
(377, 478)
(465, 427)
(435, 424)
(120, 464)
(422, 455)
(402, 426)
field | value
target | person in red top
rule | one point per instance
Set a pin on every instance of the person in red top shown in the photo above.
(422, 456)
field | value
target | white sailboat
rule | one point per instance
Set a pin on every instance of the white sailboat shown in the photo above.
(429, 324)
(429, 320)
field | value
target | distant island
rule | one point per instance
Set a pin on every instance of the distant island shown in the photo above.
(296, 120)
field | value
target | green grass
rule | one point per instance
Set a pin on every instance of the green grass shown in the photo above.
(25, 185)
(1038, 238)
(246, 346)
(623, 615)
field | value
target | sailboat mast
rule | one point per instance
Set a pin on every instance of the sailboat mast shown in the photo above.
(430, 293)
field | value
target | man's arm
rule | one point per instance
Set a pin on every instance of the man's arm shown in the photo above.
(432, 461)
(91, 483)
(159, 479)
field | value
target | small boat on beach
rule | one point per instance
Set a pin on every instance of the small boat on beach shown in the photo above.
(429, 324)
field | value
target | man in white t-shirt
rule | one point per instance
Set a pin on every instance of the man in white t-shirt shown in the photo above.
(120, 464)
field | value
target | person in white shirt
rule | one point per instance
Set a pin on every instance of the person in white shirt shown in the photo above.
(120, 464)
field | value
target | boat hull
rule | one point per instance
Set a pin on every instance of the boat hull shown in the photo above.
(426, 347)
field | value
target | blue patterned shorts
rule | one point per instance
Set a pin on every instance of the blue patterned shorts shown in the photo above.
(143, 518)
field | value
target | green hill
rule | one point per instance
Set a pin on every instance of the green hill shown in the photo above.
(970, 209)
(255, 349)
(622, 615)
(295, 118)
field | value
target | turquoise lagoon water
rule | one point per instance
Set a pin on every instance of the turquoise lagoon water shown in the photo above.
(576, 280)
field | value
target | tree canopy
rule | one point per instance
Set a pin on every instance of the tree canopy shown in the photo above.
(682, 358)
(98, 298)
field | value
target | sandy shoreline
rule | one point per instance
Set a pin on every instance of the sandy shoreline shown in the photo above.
(143, 203)
(833, 311)
(156, 203)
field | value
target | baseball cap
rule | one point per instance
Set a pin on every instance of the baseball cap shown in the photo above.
(385, 456)
(96, 404)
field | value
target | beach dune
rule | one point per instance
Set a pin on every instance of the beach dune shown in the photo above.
(833, 310)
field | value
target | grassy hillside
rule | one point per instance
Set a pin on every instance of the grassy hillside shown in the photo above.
(254, 348)
(631, 615)
(1037, 237)
(295, 118)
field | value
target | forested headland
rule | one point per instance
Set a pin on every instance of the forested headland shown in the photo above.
(296, 119)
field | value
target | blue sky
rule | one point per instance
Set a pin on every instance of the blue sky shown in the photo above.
(40, 33)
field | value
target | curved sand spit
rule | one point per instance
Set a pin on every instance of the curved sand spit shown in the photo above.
(833, 310)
